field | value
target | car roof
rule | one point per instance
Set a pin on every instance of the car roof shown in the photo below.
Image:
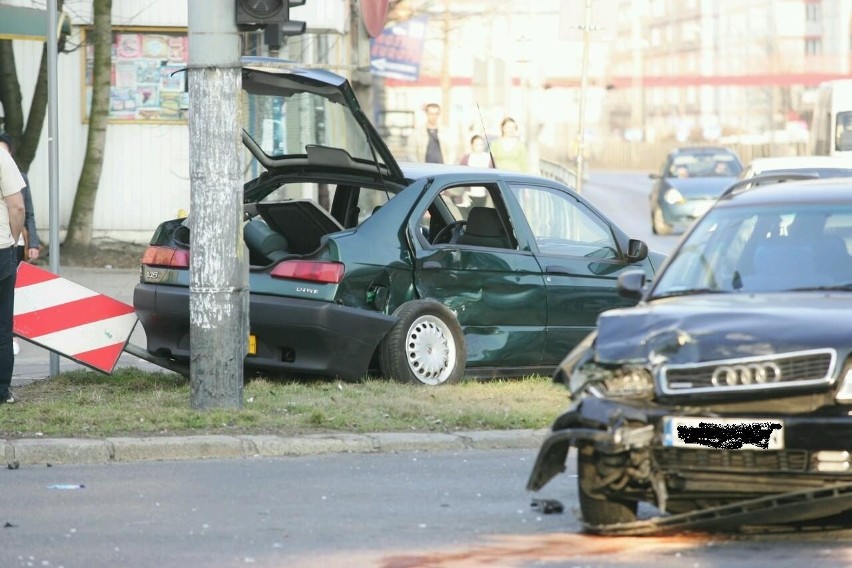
(793, 162)
(825, 190)
(419, 170)
(701, 150)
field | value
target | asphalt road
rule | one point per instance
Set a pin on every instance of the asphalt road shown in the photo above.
(410, 509)
(441, 508)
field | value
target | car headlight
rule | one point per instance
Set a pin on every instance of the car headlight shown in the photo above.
(616, 382)
(673, 196)
(630, 382)
(844, 393)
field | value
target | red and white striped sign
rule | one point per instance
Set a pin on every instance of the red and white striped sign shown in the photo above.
(70, 319)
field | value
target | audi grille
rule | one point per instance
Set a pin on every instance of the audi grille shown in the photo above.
(788, 370)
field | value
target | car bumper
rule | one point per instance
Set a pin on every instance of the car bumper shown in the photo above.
(294, 336)
(682, 215)
(817, 448)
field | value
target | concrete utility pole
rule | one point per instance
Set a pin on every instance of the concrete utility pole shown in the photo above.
(218, 285)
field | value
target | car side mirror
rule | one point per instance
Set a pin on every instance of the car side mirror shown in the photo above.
(636, 250)
(630, 284)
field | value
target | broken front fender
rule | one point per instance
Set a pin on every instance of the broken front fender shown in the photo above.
(590, 419)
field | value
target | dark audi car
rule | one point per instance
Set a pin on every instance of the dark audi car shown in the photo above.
(725, 395)
(418, 272)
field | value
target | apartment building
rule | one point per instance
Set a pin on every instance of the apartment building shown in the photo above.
(707, 70)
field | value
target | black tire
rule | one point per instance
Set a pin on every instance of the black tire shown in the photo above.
(599, 509)
(425, 346)
(658, 223)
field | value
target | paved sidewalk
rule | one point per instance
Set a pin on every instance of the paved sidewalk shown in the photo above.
(55, 451)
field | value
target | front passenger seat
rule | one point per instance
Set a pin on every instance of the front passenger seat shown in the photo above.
(484, 229)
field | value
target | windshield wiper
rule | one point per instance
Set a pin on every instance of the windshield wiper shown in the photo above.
(836, 287)
(689, 292)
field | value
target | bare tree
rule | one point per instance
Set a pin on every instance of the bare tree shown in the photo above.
(79, 236)
(28, 133)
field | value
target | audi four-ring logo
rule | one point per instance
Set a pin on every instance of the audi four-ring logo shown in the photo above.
(751, 373)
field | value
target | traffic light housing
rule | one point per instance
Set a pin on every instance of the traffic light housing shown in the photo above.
(257, 14)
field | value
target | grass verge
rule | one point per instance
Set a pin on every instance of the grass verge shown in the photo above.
(131, 402)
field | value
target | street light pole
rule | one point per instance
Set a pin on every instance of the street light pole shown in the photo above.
(584, 79)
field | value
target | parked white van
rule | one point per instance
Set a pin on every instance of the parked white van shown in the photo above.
(831, 125)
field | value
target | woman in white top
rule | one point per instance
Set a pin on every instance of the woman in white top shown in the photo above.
(479, 156)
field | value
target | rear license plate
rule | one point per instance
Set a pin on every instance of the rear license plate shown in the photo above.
(252, 344)
(723, 433)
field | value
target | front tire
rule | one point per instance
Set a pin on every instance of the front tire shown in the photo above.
(425, 346)
(658, 223)
(597, 508)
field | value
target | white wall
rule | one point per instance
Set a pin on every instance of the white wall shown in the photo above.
(145, 178)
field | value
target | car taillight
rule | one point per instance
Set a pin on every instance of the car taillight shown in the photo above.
(166, 256)
(310, 270)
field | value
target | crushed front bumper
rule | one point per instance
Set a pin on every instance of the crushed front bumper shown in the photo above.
(816, 455)
(810, 477)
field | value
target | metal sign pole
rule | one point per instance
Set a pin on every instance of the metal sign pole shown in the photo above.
(52, 150)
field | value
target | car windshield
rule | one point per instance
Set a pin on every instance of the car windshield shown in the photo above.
(767, 249)
(704, 164)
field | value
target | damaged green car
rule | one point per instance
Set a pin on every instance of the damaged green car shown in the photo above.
(422, 273)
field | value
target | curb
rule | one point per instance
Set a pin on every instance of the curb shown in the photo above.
(66, 451)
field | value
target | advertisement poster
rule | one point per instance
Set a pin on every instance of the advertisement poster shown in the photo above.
(148, 81)
(397, 51)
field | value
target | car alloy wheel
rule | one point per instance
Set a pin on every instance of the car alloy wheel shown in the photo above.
(426, 346)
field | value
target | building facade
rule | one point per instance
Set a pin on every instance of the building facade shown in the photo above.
(145, 177)
(704, 70)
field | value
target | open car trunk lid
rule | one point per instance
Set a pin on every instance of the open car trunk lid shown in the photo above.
(303, 122)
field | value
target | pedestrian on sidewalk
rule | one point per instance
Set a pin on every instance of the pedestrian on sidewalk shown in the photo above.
(479, 155)
(29, 244)
(508, 151)
(11, 224)
(430, 143)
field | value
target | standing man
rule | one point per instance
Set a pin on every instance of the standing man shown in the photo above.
(11, 223)
(429, 144)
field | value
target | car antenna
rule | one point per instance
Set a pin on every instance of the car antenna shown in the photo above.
(485, 135)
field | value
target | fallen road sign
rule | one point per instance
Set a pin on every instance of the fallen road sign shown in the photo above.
(70, 319)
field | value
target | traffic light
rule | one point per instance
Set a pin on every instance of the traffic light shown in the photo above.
(257, 14)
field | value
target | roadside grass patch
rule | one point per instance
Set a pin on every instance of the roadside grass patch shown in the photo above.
(132, 402)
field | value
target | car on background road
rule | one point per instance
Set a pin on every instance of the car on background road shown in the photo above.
(725, 395)
(418, 272)
(688, 184)
(816, 166)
